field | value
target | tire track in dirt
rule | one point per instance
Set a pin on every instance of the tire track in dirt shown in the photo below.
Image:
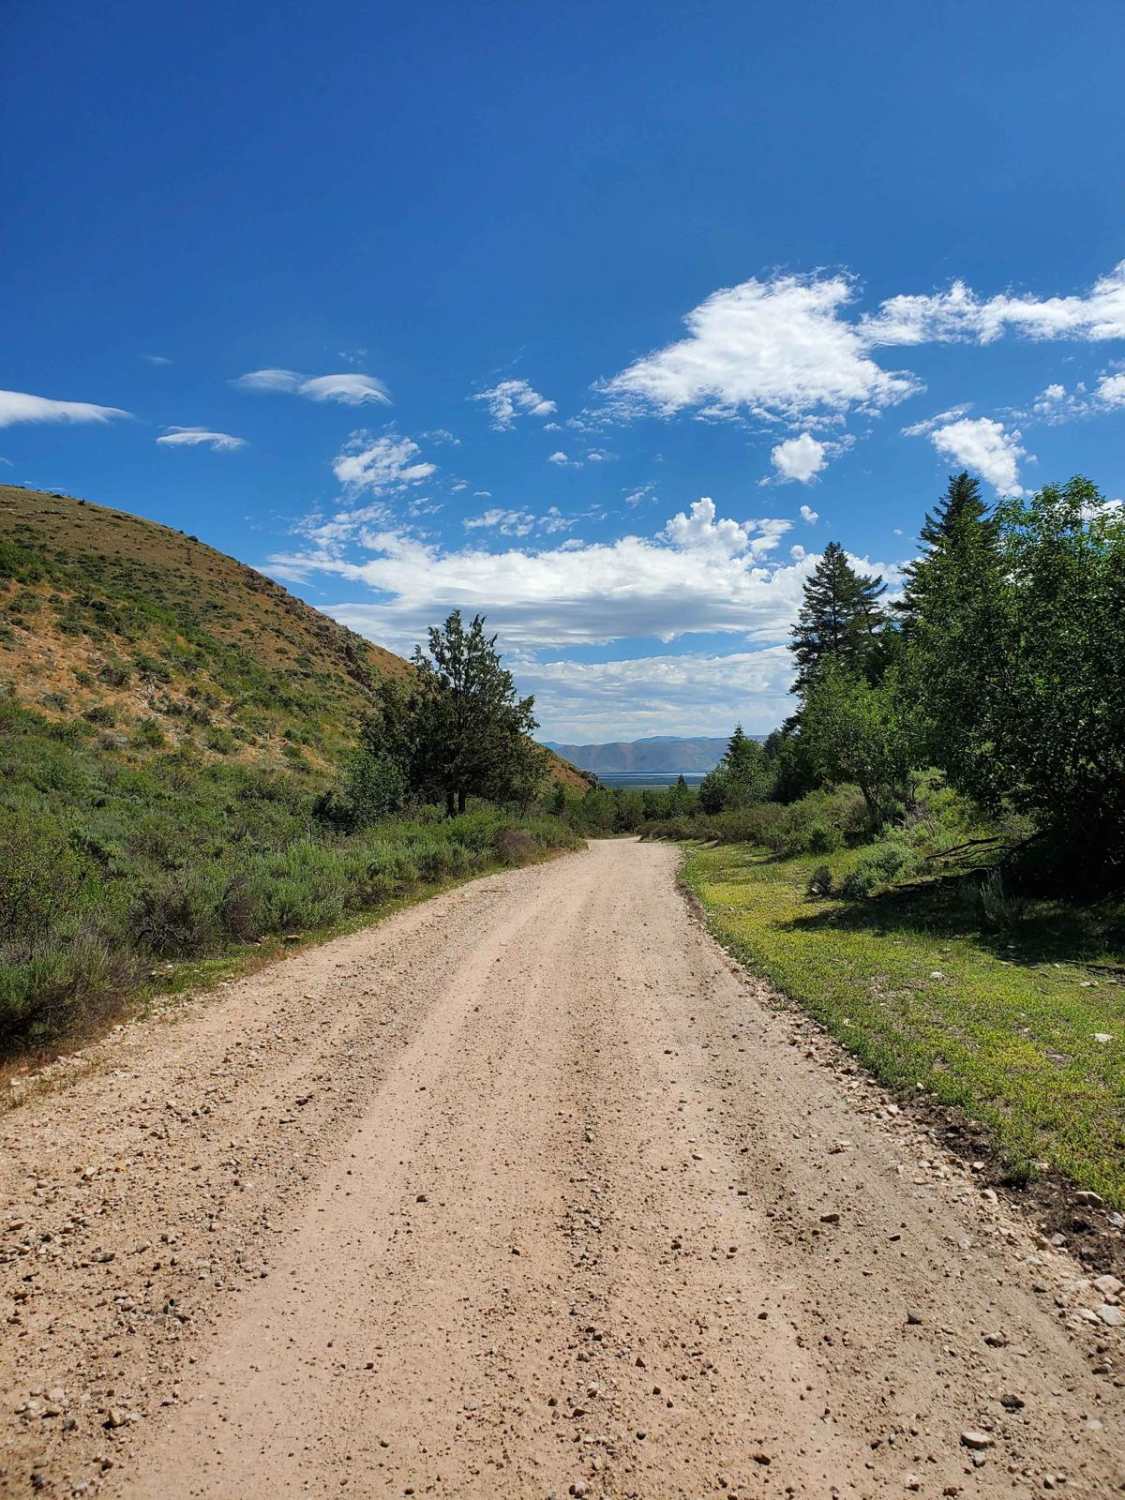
(523, 1192)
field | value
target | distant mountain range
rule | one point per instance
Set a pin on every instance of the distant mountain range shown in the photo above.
(666, 754)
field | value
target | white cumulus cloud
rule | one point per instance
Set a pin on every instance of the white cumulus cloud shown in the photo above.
(510, 399)
(777, 348)
(800, 458)
(809, 515)
(700, 573)
(986, 445)
(19, 406)
(200, 437)
(380, 464)
(1111, 390)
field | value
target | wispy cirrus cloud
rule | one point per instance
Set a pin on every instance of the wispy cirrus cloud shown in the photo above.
(959, 314)
(351, 388)
(200, 437)
(522, 522)
(20, 406)
(509, 400)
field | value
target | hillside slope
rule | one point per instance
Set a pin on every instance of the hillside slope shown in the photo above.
(158, 640)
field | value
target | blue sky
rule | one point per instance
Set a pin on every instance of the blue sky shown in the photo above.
(601, 319)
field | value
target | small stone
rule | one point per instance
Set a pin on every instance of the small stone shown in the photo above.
(1112, 1317)
(832, 1218)
(115, 1417)
(1109, 1286)
(1011, 1402)
(1103, 1037)
(1094, 1200)
(996, 1340)
(977, 1441)
(914, 1319)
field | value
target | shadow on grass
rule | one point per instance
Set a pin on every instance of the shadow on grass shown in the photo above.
(949, 907)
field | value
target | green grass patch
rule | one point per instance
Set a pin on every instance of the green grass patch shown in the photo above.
(1008, 1032)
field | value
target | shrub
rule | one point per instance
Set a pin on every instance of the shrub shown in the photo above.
(373, 787)
(114, 674)
(998, 908)
(882, 865)
(514, 846)
(820, 882)
(41, 877)
(178, 916)
(148, 734)
(824, 838)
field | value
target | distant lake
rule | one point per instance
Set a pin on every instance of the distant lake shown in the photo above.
(647, 778)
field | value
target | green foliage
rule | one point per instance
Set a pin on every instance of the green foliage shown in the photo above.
(854, 732)
(997, 1020)
(107, 865)
(825, 819)
(457, 729)
(880, 866)
(1015, 639)
(840, 620)
(374, 787)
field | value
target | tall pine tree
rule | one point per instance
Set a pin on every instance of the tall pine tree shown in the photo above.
(959, 528)
(840, 619)
(952, 614)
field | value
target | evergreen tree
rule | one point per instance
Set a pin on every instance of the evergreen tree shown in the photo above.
(739, 756)
(840, 619)
(679, 797)
(954, 633)
(959, 525)
(457, 728)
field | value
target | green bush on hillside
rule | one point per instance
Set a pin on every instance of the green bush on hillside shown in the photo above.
(110, 862)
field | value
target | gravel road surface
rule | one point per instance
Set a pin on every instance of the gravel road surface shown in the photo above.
(524, 1192)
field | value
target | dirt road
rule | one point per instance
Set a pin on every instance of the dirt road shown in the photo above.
(523, 1192)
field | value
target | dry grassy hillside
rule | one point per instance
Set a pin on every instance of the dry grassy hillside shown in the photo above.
(159, 640)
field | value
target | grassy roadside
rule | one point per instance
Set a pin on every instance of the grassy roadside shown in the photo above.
(172, 982)
(1001, 1021)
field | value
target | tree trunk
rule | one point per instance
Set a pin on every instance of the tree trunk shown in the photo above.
(450, 806)
(461, 800)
